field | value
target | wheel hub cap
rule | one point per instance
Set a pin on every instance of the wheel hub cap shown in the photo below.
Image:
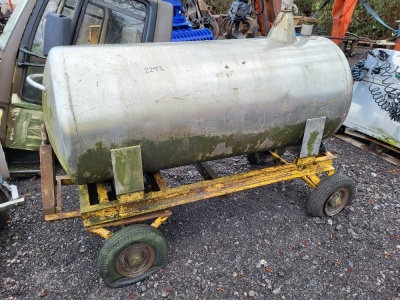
(336, 202)
(135, 260)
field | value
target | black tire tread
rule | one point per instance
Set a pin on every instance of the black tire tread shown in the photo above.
(327, 186)
(128, 236)
(254, 159)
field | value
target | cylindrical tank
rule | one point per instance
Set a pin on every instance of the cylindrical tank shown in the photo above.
(188, 102)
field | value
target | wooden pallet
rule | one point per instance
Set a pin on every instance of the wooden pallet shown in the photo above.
(387, 152)
(376, 44)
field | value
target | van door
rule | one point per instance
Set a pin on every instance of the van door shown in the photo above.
(93, 22)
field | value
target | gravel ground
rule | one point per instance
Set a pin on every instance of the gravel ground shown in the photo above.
(258, 244)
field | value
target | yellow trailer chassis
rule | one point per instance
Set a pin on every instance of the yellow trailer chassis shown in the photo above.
(139, 250)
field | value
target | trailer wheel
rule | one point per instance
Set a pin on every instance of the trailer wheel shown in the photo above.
(131, 254)
(331, 196)
(263, 157)
(4, 215)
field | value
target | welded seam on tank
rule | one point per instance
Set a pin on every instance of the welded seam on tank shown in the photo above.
(277, 21)
(284, 10)
(69, 95)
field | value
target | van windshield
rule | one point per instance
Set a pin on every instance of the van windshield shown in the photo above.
(4, 37)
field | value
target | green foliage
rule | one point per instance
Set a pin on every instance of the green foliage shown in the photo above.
(362, 24)
(221, 6)
(307, 7)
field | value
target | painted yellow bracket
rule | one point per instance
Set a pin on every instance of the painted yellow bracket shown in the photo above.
(104, 233)
(311, 180)
(139, 203)
(157, 222)
(140, 206)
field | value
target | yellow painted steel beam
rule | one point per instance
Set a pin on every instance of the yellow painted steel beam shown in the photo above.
(83, 197)
(63, 215)
(276, 156)
(162, 184)
(311, 180)
(102, 192)
(157, 222)
(104, 233)
(330, 173)
(314, 179)
(140, 218)
(65, 180)
(138, 203)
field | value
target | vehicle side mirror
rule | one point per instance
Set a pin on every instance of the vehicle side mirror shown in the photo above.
(57, 32)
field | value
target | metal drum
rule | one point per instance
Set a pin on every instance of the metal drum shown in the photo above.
(189, 102)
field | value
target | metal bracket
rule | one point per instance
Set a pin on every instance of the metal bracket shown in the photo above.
(128, 170)
(11, 204)
(25, 62)
(312, 137)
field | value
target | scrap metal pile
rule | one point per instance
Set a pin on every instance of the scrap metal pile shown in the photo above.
(4, 18)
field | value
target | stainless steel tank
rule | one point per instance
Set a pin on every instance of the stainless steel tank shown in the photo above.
(185, 103)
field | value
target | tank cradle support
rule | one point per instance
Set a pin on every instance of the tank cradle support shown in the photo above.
(103, 205)
(135, 252)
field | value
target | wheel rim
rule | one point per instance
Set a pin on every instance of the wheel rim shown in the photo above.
(336, 202)
(135, 260)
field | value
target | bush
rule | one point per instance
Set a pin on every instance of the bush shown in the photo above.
(362, 24)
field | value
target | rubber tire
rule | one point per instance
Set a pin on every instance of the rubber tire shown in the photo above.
(341, 130)
(255, 159)
(4, 215)
(128, 236)
(327, 186)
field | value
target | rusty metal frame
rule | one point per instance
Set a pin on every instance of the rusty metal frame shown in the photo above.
(141, 206)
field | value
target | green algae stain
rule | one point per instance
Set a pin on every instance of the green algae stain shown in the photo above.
(127, 166)
(311, 142)
(93, 163)
(385, 137)
(158, 154)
